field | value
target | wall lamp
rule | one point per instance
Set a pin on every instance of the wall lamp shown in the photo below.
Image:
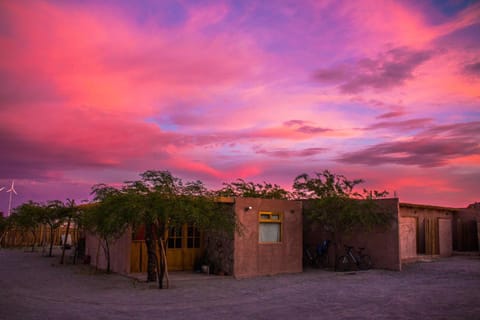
(248, 208)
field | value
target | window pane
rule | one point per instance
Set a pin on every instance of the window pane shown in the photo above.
(269, 232)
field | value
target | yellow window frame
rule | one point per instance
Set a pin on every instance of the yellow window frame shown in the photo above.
(271, 217)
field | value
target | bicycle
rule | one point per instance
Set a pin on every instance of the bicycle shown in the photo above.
(317, 258)
(354, 260)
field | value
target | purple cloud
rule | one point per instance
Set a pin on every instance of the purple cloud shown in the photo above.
(410, 124)
(392, 114)
(432, 148)
(305, 127)
(294, 123)
(283, 153)
(388, 70)
(472, 69)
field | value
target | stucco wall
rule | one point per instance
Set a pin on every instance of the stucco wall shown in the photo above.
(382, 244)
(119, 253)
(252, 258)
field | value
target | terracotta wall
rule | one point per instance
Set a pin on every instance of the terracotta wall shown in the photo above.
(382, 244)
(252, 258)
(119, 253)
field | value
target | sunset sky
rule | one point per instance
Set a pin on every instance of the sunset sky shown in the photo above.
(99, 91)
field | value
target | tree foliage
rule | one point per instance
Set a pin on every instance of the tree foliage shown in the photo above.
(242, 188)
(335, 205)
(26, 218)
(158, 201)
(108, 217)
(53, 214)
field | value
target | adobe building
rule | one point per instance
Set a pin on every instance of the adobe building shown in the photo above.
(425, 230)
(416, 231)
(272, 234)
(268, 242)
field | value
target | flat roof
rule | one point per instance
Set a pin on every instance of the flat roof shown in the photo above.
(427, 206)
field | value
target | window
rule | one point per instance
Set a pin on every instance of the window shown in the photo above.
(193, 237)
(175, 238)
(270, 227)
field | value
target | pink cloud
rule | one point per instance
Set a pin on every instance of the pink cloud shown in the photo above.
(100, 93)
(106, 62)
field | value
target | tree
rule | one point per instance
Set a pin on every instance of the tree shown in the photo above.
(53, 214)
(159, 201)
(170, 203)
(71, 213)
(242, 188)
(107, 218)
(335, 205)
(27, 217)
(3, 227)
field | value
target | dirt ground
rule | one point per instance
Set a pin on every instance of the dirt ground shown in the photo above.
(36, 287)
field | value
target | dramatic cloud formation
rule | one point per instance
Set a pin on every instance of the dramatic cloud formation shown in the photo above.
(434, 147)
(388, 70)
(100, 91)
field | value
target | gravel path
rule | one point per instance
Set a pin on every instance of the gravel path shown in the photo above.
(36, 287)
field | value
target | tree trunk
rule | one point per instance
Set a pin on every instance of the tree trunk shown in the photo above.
(151, 253)
(34, 240)
(161, 264)
(65, 241)
(51, 242)
(163, 256)
(107, 255)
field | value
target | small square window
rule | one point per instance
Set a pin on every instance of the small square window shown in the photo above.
(270, 227)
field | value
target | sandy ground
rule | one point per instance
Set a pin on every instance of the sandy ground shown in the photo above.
(36, 287)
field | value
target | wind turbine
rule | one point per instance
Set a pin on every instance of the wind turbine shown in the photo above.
(11, 191)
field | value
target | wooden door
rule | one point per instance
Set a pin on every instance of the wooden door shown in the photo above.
(183, 247)
(431, 236)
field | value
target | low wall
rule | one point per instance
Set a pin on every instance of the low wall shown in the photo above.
(252, 258)
(382, 244)
(119, 253)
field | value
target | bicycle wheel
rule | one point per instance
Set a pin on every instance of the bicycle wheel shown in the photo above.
(322, 261)
(343, 264)
(365, 262)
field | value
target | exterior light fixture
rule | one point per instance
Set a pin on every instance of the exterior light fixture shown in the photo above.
(248, 208)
